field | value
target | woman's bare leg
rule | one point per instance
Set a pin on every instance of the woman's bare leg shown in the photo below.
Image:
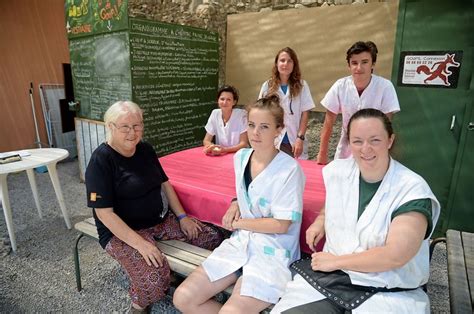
(242, 304)
(195, 294)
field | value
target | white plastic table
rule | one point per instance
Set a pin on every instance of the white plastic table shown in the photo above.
(48, 157)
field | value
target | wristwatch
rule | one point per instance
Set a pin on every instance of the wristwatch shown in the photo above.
(301, 137)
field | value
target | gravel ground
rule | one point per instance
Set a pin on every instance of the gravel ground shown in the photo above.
(39, 277)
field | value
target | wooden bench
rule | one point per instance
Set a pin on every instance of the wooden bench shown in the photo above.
(182, 257)
(460, 251)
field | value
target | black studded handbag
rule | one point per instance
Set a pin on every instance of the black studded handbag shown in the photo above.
(336, 286)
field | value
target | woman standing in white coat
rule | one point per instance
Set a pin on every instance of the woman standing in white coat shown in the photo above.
(296, 100)
(377, 220)
(265, 240)
(362, 89)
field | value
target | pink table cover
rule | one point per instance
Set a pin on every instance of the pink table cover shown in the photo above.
(206, 185)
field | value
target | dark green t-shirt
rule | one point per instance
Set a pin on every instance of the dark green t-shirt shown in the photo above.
(367, 190)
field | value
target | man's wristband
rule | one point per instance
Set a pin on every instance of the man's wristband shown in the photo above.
(180, 217)
(233, 200)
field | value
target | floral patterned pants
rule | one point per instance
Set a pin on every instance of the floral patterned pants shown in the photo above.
(148, 284)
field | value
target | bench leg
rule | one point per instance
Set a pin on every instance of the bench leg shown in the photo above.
(76, 262)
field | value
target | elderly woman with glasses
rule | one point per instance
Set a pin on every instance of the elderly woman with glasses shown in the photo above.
(130, 194)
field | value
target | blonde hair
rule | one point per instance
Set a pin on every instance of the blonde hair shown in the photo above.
(118, 109)
(272, 104)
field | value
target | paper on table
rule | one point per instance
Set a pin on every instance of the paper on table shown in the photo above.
(24, 153)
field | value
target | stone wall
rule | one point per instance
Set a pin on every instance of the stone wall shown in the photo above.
(212, 15)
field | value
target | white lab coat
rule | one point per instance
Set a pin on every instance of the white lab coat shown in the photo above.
(299, 104)
(229, 134)
(345, 235)
(343, 98)
(264, 258)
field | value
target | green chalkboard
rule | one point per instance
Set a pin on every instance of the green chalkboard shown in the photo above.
(92, 17)
(170, 71)
(100, 72)
(174, 79)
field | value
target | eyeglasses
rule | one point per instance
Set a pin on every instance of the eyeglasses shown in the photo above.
(127, 128)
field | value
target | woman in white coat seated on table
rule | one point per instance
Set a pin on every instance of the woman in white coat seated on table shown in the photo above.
(377, 220)
(269, 186)
(226, 125)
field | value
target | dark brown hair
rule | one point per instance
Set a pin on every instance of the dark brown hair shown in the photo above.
(361, 46)
(294, 80)
(371, 113)
(229, 89)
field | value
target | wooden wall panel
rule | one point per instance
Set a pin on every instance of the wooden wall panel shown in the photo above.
(320, 36)
(33, 46)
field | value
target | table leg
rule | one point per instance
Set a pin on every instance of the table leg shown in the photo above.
(7, 210)
(32, 179)
(53, 174)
